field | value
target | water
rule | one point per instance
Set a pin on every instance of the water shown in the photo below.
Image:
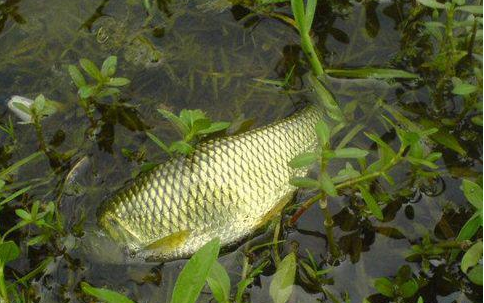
(206, 54)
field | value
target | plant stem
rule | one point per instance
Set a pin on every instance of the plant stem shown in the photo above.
(3, 288)
(310, 51)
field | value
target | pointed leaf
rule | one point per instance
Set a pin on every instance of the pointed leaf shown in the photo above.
(283, 280)
(118, 82)
(91, 69)
(76, 76)
(350, 152)
(371, 203)
(109, 66)
(219, 282)
(9, 251)
(473, 193)
(303, 160)
(105, 295)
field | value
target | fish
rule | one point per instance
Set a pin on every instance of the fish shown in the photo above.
(227, 188)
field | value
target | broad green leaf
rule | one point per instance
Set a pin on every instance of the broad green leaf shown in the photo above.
(384, 286)
(9, 251)
(473, 9)
(432, 4)
(464, 89)
(297, 7)
(215, 127)
(304, 182)
(371, 203)
(23, 214)
(303, 160)
(91, 69)
(76, 76)
(181, 147)
(192, 278)
(374, 73)
(473, 193)
(219, 282)
(346, 173)
(475, 274)
(471, 257)
(326, 99)
(158, 142)
(189, 116)
(118, 81)
(283, 280)
(86, 91)
(470, 227)
(109, 66)
(199, 125)
(39, 103)
(179, 123)
(409, 288)
(432, 157)
(323, 132)
(350, 152)
(327, 185)
(104, 295)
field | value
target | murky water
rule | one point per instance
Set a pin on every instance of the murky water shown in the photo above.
(206, 54)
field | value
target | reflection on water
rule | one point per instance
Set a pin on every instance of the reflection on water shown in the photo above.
(206, 54)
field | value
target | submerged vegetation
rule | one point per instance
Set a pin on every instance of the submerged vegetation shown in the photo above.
(392, 208)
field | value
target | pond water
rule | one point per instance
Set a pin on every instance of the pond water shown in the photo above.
(206, 55)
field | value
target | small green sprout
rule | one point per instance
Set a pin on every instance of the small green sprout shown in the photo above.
(404, 285)
(192, 125)
(105, 84)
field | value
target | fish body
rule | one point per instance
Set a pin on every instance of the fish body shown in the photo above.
(227, 188)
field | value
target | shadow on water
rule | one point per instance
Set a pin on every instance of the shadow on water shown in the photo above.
(205, 54)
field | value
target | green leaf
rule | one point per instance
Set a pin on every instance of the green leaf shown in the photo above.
(91, 69)
(86, 91)
(24, 215)
(104, 295)
(108, 91)
(470, 227)
(109, 66)
(371, 203)
(215, 127)
(14, 167)
(199, 125)
(297, 7)
(473, 9)
(384, 286)
(327, 185)
(475, 274)
(39, 103)
(219, 282)
(424, 162)
(323, 132)
(118, 82)
(189, 116)
(181, 147)
(158, 142)
(241, 286)
(464, 89)
(22, 107)
(471, 257)
(192, 278)
(431, 4)
(9, 251)
(309, 16)
(304, 182)
(409, 288)
(283, 280)
(326, 99)
(76, 76)
(473, 193)
(374, 73)
(303, 160)
(350, 152)
(179, 123)
(346, 173)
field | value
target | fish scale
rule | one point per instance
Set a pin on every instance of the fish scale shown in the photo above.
(227, 188)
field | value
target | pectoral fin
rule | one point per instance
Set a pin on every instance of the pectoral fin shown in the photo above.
(169, 242)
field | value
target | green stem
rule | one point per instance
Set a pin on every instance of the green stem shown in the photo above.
(3, 288)
(310, 51)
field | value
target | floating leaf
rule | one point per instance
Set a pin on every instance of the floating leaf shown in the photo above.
(193, 275)
(219, 282)
(283, 280)
(303, 160)
(105, 295)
